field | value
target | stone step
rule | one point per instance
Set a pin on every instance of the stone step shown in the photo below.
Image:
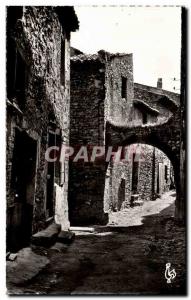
(12, 256)
(138, 203)
(46, 237)
(66, 237)
(83, 229)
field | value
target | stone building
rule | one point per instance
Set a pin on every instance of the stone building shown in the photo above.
(151, 174)
(38, 100)
(91, 79)
(154, 103)
(103, 91)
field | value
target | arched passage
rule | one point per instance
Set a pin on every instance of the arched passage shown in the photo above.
(145, 174)
(165, 137)
(94, 178)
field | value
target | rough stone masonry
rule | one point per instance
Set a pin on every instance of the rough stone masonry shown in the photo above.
(38, 101)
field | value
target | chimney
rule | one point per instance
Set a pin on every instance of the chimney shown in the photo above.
(159, 83)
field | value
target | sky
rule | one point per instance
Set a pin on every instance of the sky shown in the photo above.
(152, 34)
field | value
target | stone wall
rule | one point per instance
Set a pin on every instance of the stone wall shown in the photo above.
(167, 181)
(145, 174)
(86, 184)
(117, 172)
(148, 173)
(148, 160)
(118, 66)
(37, 36)
(87, 102)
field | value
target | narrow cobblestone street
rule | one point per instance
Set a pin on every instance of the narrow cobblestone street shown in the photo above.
(128, 258)
(135, 216)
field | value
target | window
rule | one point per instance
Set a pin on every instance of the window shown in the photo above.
(62, 69)
(144, 118)
(15, 65)
(16, 73)
(58, 142)
(124, 87)
(11, 67)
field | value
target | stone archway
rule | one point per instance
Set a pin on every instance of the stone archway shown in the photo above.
(133, 178)
(87, 206)
(165, 137)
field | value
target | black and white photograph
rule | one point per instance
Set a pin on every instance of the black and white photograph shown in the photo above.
(96, 150)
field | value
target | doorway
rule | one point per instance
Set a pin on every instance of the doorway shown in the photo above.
(50, 179)
(135, 171)
(53, 173)
(121, 194)
(23, 187)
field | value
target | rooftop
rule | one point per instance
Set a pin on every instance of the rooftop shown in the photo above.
(144, 106)
(85, 57)
(67, 17)
(102, 55)
(155, 90)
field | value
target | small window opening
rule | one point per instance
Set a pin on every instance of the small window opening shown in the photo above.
(124, 88)
(16, 73)
(144, 118)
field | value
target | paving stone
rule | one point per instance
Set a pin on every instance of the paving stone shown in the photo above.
(27, 265)
(125, 259)
(59, 247)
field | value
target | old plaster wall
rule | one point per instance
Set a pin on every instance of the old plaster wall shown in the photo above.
(118, 171)
(137, 118)
(155, 97)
